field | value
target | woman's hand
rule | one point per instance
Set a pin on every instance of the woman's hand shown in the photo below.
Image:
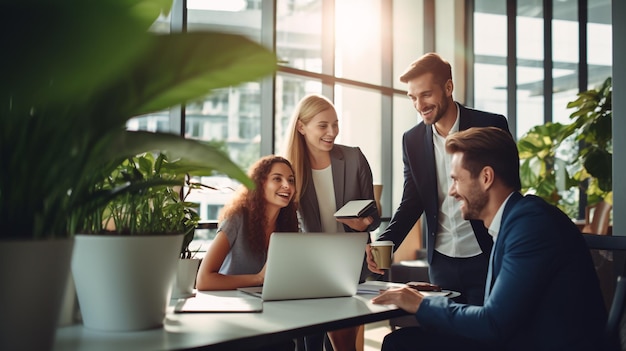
(359, 224)
(261, 275)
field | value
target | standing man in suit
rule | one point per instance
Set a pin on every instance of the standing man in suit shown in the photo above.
(542, 291)
(458, 250)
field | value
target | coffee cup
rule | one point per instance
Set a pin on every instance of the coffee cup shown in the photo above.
(381, 252)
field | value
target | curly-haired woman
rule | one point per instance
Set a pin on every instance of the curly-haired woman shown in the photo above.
(237, 255)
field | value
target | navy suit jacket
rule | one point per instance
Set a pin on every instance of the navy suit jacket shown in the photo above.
(544, 291)
(420, 193)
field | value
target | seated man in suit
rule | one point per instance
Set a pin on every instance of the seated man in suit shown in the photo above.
(542, 291)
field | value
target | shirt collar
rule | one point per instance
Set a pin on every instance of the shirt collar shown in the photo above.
(494, 228)
(455, 126)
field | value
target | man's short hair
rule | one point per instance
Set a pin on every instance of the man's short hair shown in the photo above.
(487, 146)
(429, 63)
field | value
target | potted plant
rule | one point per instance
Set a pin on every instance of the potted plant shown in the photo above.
(70, 83)
(125, 266)
(558, 159)
(188, 263)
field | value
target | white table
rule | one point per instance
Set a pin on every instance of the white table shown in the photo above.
(279, 321)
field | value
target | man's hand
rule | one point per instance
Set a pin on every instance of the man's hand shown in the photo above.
(371, 265)
(407, 299)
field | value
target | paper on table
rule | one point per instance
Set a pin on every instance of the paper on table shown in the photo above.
(375, 286)
(204, 303)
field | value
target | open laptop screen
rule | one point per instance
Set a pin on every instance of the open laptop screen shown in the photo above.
(312, 265)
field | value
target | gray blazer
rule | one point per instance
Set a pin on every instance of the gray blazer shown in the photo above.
(352, 178)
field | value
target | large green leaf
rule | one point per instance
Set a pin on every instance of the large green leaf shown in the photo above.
(147, 11)
(204, 157)
(76, 71)
(62, 50)
(186, 66)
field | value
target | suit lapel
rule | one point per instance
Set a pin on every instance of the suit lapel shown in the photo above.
(338, 164)
(494, 263)
(465, 119)
(311, 206)
(430, 172)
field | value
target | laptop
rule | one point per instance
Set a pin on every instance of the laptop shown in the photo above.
(312, 265)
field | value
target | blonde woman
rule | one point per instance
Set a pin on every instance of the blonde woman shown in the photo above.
(328, 175)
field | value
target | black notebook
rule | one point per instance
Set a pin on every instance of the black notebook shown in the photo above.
(356, 208)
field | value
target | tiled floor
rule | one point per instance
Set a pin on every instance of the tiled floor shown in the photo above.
(374, 334)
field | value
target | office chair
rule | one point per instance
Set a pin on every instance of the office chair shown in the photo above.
(597, 218)
(607, 245)
(616, 314)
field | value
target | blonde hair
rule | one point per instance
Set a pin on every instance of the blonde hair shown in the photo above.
(296, 150)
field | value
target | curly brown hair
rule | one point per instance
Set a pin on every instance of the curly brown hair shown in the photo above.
(252, 203)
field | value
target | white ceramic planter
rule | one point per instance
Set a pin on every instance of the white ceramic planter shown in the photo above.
(33, 274)
(185, 277)
(123, 283)
(69, 305)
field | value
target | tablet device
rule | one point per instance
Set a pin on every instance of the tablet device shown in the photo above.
(356, 209)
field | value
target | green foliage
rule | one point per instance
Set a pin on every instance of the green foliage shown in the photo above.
(539, 161)
(556, 158)
(146, 196)
(147, 200)
(593, 129)
(73, 77)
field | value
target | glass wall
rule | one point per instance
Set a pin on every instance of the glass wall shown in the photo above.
(530, 66)
(360, 123)
(358, 40)
(552, 64)
(565, 41)
(334, 48)
(289, 90)
(299, 34)
(491, 46)
(353, 52)
(599, 42)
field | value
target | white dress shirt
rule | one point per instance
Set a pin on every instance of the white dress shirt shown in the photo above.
(325, 191)
(494, 228)
(455, 237)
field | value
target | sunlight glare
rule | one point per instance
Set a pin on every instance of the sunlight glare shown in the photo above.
(357, 24)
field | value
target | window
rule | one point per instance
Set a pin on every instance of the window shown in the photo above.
(490, 51)
(353, 51)
(548, 43)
